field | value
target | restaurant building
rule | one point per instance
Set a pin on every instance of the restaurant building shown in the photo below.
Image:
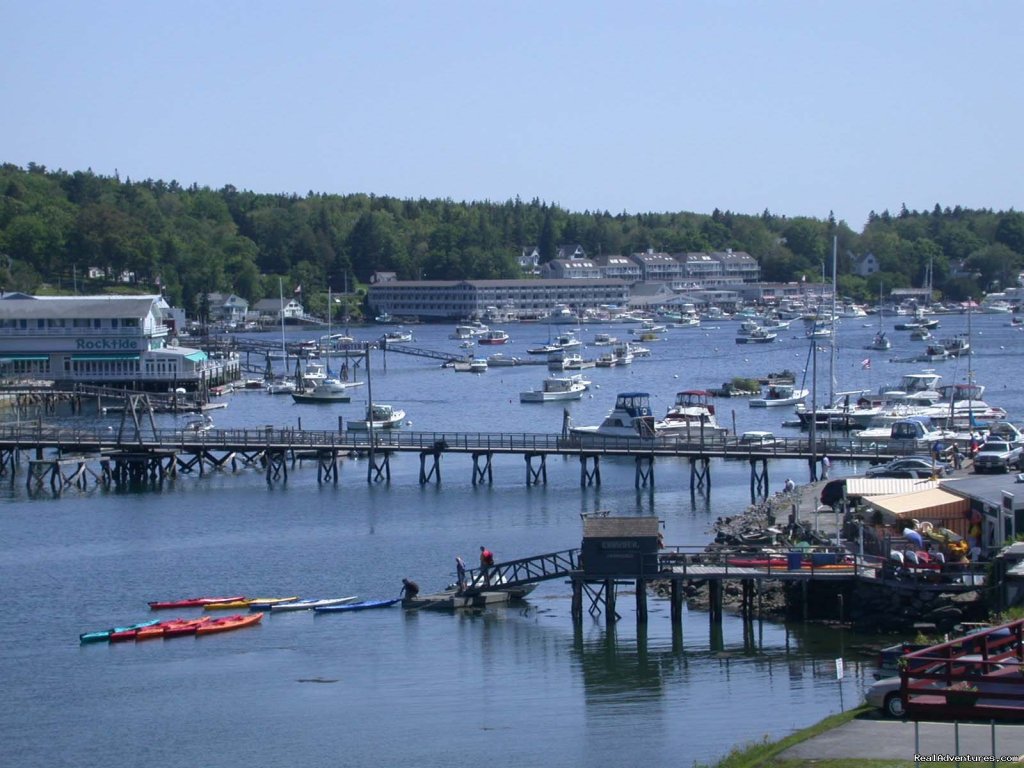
(120, 341)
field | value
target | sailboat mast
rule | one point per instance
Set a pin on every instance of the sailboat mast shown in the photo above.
(835, 328)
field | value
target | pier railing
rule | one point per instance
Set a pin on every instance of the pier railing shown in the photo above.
(26, 436)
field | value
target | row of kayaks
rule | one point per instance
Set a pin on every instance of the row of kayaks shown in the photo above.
(152, 630)
(204, 625)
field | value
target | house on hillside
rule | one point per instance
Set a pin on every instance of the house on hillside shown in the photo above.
(738, 266)
(865, 265)
(529, 258)
(272, 310)
(230, 309)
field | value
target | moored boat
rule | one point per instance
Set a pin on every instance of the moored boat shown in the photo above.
(630, 418)
(556, 388)
(493, 337)
(228, 623)
(692, 416)
(779, 394)
(310, 603)
(327, 391)
(362, 605)
(378, 416)
(103, 635)
(191, 602)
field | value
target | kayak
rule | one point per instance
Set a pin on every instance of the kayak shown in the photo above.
(360, 606)
(159, 629)
(103, 635)
(253, 603)
(305, 605)
(187, 627)
(192, 602)
(228, 623)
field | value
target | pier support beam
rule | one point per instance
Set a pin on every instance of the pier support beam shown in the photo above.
(715, 601)
(538, 476)
(277, 465)
(435, 467)
(378, 468)
(483, 473)
(758, 480)
(8, 462)
(577, 600)
(327, 466)
(610, 614)
(644, 471)
(641, 601)
(700, 475)
(592, 477)
(676, 602)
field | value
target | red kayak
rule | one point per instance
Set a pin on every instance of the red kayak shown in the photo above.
(192, 602)
(228, 623)
(186, 627)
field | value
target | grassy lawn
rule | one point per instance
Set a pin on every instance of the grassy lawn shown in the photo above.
(766, 754)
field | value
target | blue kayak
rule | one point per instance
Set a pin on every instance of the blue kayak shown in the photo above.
(103, 635)
(363, 605)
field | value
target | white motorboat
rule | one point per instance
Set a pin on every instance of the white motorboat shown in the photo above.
(564, 342)
(397, 337)
(379, 416)
(757, 336)
(198, 425)
(693, 416)
(499, 359)
(478, 365)
(327, 391)
(604, 340)
(493, 337)
(556, 388)
(630, 418)
(469, 331)
(779, 394)
(916, 428)
(880, 343)
(281, 387)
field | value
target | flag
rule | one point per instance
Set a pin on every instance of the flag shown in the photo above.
(298, 288)
(865, 363)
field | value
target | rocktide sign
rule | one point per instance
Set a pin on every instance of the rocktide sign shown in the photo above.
(106, 345)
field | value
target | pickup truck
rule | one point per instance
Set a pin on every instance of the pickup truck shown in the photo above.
(997, 456)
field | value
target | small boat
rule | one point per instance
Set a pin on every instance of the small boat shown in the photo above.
(379, 416)
(309, 604)
(693, 416)
(281, 387)
(493, 337)
(604, 340)
(198, 425)
(756, 336)
(880, 343)
(103, 635)
(362, 605)
(478, 365)
(327, 391)
(779, 394)
(228, 623)
(191, 602)
(247, 602)
(397, 337)
(501, 359)
(262, 603)
(556, 388)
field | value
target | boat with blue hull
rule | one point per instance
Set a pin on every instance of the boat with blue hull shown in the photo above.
(363, 605)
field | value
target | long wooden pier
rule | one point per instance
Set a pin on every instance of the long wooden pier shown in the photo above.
(165, 452)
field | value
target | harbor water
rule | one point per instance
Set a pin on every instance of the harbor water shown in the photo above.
(392, 687)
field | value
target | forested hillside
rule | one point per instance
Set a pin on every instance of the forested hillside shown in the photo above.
(56, 225)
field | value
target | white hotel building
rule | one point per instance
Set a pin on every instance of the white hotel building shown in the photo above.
(108, 340)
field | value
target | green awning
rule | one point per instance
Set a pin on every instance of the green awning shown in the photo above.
(18, 358)
(196, 357)
(98, 358)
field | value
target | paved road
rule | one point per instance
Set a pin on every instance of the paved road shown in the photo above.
(878, 738)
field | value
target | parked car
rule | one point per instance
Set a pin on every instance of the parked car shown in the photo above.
(756, 439)
(997, 456)
(909, 466)
(886, 694)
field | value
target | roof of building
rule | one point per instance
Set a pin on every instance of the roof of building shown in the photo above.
(545, 282)
(933, 503)
(986, 488)
(885, 486)
(601, 527)
(76, 307)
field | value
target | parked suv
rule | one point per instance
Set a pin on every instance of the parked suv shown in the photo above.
(997, 456)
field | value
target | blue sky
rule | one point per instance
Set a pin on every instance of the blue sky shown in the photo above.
(798, 107)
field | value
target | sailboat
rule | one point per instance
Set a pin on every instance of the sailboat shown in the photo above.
(881, 341)
(330, 389)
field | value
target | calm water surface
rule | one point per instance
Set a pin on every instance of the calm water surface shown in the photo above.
(392, 687)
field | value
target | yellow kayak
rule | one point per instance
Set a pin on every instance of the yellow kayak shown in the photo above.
(249, 602)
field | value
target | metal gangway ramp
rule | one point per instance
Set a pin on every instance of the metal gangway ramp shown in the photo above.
(520, 573)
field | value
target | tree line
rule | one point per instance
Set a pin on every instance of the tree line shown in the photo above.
(63, 231)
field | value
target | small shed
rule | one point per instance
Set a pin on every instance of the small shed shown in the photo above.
(620, 547)
(939, 507)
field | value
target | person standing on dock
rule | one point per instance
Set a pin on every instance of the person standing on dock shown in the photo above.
(409, 589)
(486, 561)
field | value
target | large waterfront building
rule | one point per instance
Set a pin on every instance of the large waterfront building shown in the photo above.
(112, 340)
(454, 299)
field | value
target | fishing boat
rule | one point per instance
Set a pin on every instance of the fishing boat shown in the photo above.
(604, 340)
(468, 331)
(309, 604)
(478, 365)
(630, 418)
(779, 394)
(191, 602)
(556, 388)
(362, 605)
(756, 336)
(378, 416)
(493, 337)
(693, 416)
(327, 391)
(564, 342)
(499, 359)
(103, 635)
(397, 337)
(228, 623)
(880, 343)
